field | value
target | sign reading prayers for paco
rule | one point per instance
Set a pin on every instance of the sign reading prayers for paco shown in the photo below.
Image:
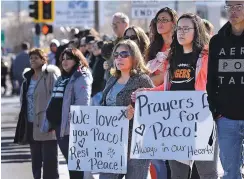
(172, 126)
(98, 139)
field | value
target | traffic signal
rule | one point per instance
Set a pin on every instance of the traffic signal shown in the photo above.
(47, 11)
(34, 10)
(47, 29)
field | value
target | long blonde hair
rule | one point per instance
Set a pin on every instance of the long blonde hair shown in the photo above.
(137, 59)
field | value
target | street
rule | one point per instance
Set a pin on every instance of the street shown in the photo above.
(16, 159)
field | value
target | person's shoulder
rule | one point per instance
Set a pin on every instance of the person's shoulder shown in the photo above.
(27, 72)
(215, 38)
(51, 69)
(83, 74)
(142, 76)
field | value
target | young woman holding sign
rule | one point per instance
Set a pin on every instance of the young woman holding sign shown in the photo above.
(163, 27)
(186, 71)
(129, 74)
(72, 88)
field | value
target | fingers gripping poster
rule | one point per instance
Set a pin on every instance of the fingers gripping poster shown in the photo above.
(98, 139)
(172, 126)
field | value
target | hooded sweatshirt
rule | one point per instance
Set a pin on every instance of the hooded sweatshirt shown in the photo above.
(225, 85)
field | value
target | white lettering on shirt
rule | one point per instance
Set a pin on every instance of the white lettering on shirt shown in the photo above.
(233, 51)
(222, 51)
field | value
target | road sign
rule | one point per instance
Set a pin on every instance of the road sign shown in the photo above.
(147, 9)
(74, 13)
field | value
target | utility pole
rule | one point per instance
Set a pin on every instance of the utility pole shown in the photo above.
(176, 5)
(96, 4)
(19, 20)
(18, 11)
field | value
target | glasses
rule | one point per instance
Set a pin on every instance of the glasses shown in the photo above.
(163, 20)
(184, 29)
(122, 54)
(237, 7)
(132, 37)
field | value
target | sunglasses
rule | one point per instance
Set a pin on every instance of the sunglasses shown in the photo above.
(132, 37)
(122, 54)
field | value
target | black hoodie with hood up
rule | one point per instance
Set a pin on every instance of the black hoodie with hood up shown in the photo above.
(225, 84)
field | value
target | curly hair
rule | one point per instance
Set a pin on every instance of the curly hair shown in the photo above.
(200, 40)
(138, 66)
(39, 52)
(143, 40)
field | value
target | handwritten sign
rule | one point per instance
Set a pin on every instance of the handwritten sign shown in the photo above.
(98, 139)
(172, 126)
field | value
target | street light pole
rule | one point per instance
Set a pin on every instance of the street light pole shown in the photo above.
(96, 4)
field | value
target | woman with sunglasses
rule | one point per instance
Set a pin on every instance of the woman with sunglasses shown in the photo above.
(129, 73)
(35, 94)
(187, 71)
(72, 88)
(163, 27)
(138, 35)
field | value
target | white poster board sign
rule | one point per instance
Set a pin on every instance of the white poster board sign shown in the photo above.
(172, 126)
(74, 13)
(98, 139)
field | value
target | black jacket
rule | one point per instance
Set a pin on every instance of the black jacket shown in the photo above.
(23, 134)
(98, 75)
(225, 85)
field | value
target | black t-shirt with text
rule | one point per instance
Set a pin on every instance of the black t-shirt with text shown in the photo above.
(184, 75)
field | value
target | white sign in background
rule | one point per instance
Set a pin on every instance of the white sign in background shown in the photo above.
(172, 126)
(141, 9)
(74, 13)
(98, 139)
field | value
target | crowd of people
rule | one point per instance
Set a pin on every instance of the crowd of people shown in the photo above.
(177, 54)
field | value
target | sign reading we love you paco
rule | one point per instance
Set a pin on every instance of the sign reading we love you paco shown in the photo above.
(98, 139)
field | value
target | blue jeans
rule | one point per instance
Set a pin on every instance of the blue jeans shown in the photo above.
(161, 168)
(231, 137)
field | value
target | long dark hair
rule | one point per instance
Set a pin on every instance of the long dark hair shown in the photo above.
(158, 42)
(200, 40)
(75, 54)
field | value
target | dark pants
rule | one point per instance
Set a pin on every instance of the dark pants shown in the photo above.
(46, 153)
(64, 147)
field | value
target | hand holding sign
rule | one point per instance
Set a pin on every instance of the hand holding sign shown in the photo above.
(130, 112)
